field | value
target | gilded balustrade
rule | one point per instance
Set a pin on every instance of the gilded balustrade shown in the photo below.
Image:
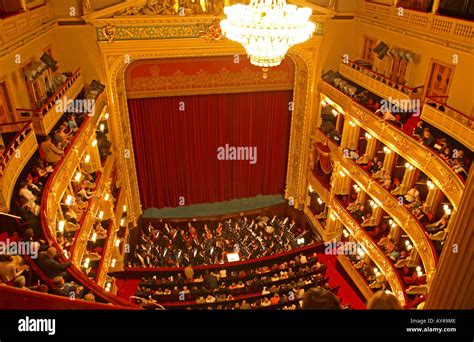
(390, 204)
(358, 279)
(80, 244)
(416, 154)
(374, 252)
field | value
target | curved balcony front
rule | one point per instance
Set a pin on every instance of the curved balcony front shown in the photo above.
(418, 155)
(355, 229)
(389, 204)
(14, 158)
(54, 191)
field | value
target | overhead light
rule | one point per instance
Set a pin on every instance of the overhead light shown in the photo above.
(122, 222)
(352, 124)
(267, 29)
(102, 127)
(117, 242)
(409, 166)
(87, 262)
(320, 201)
(112, 264)
(310, 188)
(106, 116)
(87, 158)
(124, 208)
(333, 217)
(101, 215)
(368, 136)
(106, 197)
(94, 142)
(334, 112)
(386, 150)
(68, 200)
(324, 103)
(94, 237)
(342, 174)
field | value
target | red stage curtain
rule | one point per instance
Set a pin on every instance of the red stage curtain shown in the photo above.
(176, 151)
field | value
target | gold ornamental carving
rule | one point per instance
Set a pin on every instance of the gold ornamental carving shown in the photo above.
(109, 32)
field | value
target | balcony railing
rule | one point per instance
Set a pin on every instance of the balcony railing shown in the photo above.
(449, 120)
(379, 84)
(54, 191)
(390, 204)
(374, 251)
(450, 29)
(107, 251)
(80, 243)
(17, 24)
(48, 115)
(14, 158)
(392, 277)
(418, 155)
(358, 279)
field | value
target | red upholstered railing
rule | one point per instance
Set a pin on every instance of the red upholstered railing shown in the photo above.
(23, 299)
(138, 272)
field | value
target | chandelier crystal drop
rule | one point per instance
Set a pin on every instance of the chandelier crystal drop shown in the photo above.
(267, 29)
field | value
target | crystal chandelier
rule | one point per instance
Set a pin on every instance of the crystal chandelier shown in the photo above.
(267, 29)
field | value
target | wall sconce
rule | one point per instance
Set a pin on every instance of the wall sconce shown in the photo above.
(368, 136)
(320, 201)
(334, 112)
(352, 124)
(409, 166)
(430, 185)
(310, 188)
(94, 142)
(78, 176)
(324, 103)
(386, 150)
(87, 158)
(61, 226)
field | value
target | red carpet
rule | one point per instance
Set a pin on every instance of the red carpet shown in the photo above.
(346, 293)
(127, 287)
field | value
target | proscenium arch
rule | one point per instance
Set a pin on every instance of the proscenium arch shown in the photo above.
(117, 57)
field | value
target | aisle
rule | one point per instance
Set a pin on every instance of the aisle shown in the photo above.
(346, 293)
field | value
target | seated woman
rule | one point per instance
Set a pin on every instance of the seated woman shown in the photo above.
(445, 153)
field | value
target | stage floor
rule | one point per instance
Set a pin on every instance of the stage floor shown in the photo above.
(211, 209)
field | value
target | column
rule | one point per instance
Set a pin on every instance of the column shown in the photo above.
(452, 286)
(408, 180)
(435, 7)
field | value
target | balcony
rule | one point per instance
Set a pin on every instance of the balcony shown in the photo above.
(389, 204)
(25, 22)
(374, 252)
(80, 243)
(358, 279)
(372, 249)
(418, 155)
(48, 115)
(379, 84)
(15, 157)
(447, 28)
(449, 120)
